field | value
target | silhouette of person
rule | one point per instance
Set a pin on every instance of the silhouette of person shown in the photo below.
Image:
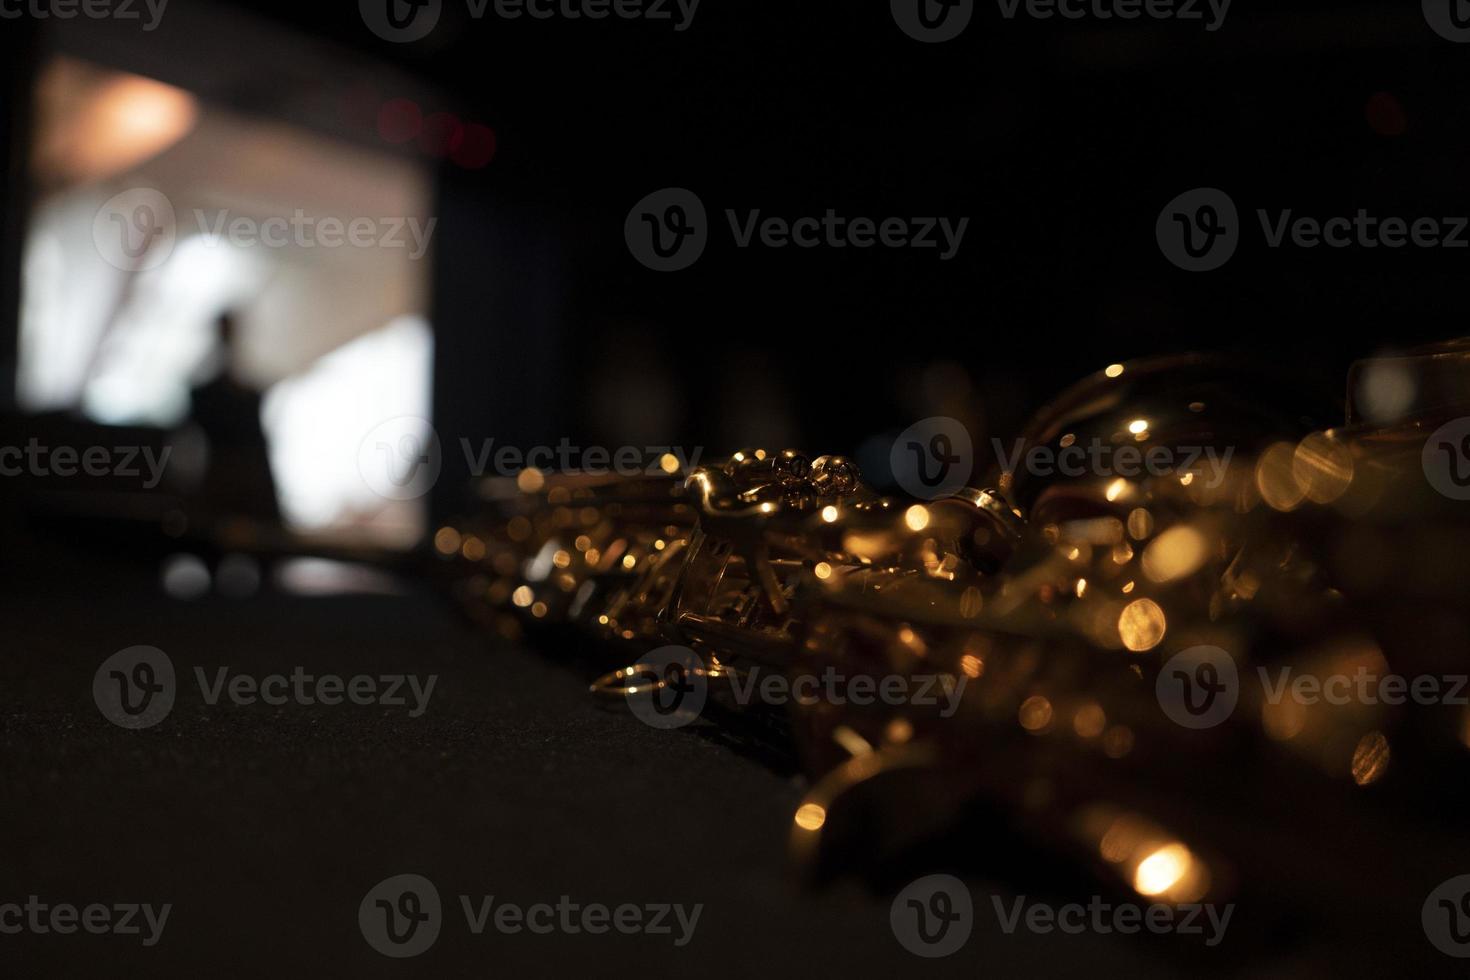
(237, 481)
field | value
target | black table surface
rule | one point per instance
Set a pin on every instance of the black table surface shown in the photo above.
(264, 827)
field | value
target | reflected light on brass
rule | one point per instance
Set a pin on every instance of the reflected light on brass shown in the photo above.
(1276, 478)
(1142, 625)
(1323, 468)
(1178, 552)
(1370, 759)
(1035, 714)
(810, 816)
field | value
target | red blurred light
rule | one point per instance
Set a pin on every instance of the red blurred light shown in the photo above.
(1386, 115)
(476, 146)
(442, 134)
(400, 120)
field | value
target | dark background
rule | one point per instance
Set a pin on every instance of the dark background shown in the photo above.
(1060, 140)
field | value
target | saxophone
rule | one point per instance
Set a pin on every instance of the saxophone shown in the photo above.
(1081, 677)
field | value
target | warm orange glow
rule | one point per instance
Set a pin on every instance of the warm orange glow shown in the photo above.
(810, 816)
(446, 541)
(1175, 554)
(97, 124)
(1163, 869)
(1370, 759)
(1089, 721)
(1276, 477)
(1035, 714)
(1142, 625)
